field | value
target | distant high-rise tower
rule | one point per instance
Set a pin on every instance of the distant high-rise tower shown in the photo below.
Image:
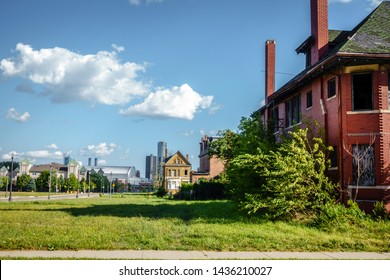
(161, 156)
(89, 161)
(150, 167)
(66, 159)
(96, 161)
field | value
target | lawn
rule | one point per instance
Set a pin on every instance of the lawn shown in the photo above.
(139, 222)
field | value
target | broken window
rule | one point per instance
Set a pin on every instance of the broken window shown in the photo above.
(363, 163)
(331, 88)
(362, 95)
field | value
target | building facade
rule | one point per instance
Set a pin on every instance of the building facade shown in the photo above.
(345, 88)
(162, 154)
(209, 166)
(151, 167)
(177, 170)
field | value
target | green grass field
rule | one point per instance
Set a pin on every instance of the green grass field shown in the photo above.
(141, 222)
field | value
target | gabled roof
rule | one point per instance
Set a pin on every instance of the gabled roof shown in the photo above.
(369, 40)
(177, 154)
(3, 169)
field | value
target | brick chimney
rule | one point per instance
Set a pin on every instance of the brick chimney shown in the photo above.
(269, 68)
(319, 29)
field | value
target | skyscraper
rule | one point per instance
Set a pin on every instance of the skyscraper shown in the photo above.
(151, 167)
(161, 156)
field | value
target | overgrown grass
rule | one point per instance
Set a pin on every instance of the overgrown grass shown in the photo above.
(142, 222)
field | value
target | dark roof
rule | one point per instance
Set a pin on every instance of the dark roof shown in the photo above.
(372, 35)
(369, 40)
(46, 167)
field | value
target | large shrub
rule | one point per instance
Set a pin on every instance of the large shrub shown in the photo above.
(291, 180)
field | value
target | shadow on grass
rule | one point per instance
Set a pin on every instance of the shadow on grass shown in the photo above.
(211, 211)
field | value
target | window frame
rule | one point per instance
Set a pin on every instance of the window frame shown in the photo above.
(309, 94)
(332, 88)
(355, 92)
(293, 110)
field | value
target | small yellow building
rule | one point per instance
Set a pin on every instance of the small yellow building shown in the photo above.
(177, 170)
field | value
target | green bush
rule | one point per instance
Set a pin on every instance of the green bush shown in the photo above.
(379, 212)
(161, 192)
(335, 215)
(291, 180)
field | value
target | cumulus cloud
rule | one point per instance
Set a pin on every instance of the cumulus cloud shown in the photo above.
(53, 146)
(67, 76)
(118, 48)
(147, 2)
(178, 102)
(44, 154)
(12, 114)
(102, 149)
(8, 156)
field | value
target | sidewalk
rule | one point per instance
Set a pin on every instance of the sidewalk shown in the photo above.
(192, 255)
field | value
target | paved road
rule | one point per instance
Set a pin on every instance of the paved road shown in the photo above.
(193, 255)
(52, 196)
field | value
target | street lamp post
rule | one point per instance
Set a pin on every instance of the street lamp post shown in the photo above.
(110, 182)
(49, 183)
(12, 173)
(6, 185)
(89, 182)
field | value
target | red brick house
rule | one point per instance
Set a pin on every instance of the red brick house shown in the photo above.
(209, 166)
(345, 88)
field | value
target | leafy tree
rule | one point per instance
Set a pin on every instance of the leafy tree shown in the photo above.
(42, 181)
(22, 182)
(61, 184)
(282, 180)
(251, 135)
(3, 182)
(73, 182)
(292, 179)
(31, 186)
(98, 181)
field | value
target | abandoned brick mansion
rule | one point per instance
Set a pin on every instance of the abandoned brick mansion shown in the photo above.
(345, 88)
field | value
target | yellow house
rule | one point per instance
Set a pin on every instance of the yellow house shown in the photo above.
(177, 170)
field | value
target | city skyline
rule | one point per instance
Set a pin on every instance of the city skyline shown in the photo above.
(111, 79)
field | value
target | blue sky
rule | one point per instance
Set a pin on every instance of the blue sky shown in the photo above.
(111, 78)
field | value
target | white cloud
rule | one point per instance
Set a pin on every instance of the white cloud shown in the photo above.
(9, 155)
(53, 146)
(147, 2)
(67, 76)
(178, 102)
(15, 115)
(102, 162)
(118, 48)
(102, 149)
(44, 154)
